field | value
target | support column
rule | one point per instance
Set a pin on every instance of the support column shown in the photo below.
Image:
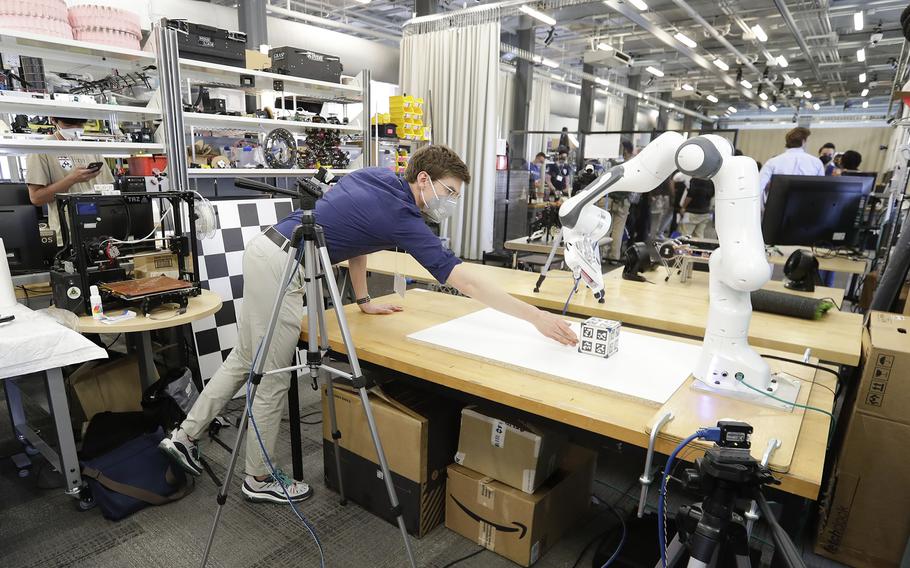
(630, 108)
(688, 119)
(663, 113)
(521, 97)
(251, 21)
(426, 7)
(585, 114)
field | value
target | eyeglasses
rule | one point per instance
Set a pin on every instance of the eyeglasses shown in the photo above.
(451, 190)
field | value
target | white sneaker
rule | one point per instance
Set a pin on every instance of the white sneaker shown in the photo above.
(270, 489)
(183, 451)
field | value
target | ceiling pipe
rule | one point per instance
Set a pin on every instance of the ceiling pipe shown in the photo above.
(659, 33)
(294, 15)
(791, 23)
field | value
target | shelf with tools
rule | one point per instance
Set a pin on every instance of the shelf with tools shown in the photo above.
(17, 145)
(208, 173)
(74, 51)
(203, 72)
(39, 105)
(227, 122)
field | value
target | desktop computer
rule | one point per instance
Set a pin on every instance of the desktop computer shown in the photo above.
(19, 229)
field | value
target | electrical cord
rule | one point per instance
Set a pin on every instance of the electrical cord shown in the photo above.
(265, 455)
(565, 308)
(302, 421)
(804, 364)
(601, 536)
(788, 403)
(144, 239)
(109, 345)
(463, 558)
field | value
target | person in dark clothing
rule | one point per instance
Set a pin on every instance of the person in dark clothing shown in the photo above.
(696, 208)
(584, 179)
(558, 176)
(850, 162)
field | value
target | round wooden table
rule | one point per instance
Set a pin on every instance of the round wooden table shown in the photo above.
(198, 307)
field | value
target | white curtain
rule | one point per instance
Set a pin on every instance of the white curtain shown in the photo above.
(538, 113)
(453, 64)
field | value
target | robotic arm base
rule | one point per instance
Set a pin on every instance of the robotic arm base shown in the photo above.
(728, 374)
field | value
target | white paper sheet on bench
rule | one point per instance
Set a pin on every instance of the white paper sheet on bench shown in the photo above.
(645, 367)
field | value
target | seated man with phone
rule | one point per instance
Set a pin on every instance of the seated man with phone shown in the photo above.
(50, 174)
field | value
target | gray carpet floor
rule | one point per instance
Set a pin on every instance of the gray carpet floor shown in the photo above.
(41, 527)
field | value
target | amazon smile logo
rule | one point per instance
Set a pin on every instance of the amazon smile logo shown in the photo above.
(500, 528)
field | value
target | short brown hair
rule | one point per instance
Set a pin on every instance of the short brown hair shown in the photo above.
(439, 162)
(797, 136)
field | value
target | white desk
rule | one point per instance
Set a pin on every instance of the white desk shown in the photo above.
(34, 343)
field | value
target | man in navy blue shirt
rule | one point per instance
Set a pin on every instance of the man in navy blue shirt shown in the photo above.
(367, 211)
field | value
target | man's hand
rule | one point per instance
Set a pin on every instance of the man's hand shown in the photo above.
(555, 328)
(379, 309)
(81, 175)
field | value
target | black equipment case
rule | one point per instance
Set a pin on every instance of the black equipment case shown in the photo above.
(306, 64)
(205, 43)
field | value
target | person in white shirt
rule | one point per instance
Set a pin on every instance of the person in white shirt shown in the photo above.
(795, 161)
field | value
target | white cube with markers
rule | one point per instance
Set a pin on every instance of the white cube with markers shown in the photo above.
(599, 337)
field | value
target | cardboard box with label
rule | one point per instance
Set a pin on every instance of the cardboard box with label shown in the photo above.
(863, 518)
(518, 454)
(512, 523)
(419, 435)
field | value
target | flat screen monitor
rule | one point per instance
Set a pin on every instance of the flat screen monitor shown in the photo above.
(815, 210)
(19, 229)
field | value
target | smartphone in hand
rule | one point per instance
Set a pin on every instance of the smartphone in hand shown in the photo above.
(95, 166)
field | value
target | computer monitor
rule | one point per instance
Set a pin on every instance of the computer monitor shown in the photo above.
(815, 210)
(19, 229)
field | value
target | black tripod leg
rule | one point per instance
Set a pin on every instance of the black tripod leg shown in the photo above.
(294, 419)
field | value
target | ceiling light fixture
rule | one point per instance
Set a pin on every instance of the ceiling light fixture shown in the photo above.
(763, 96)
(602, 82)
(807, 94)
(782, 61)
(537, 15)
(731, 108)
(639, 4)
(864, 93)
(720, 64)
(797, 81)
(759, 33)
(712, 98)
(816, 106)
(862, 77)
(685, 40)
(773, 108)
(687, 87)
(604, 46)
(549, 63)
(745, 83)
(858, 21)
(865, 104)
(860, 55)
(654, 71)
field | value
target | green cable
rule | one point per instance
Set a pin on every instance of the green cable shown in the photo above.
(787, 402)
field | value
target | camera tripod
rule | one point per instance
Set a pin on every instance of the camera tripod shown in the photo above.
(711, 531)
(317, 270)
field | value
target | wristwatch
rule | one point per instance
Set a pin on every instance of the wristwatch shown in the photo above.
(364, 300)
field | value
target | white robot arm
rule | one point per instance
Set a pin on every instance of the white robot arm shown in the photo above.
(739, 266)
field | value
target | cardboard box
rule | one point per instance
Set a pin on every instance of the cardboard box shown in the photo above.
(155, 264)
(512, 523)
(108, 385)
(863, 519)
(257, 60)
(515, 453)
(419, 435)
(884, 389)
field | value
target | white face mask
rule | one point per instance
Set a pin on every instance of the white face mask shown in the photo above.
(70, 133)
(437, 208)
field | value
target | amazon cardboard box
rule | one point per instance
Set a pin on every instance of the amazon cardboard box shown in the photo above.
(513, 452)
(863, 518)
(419, 433)
(884, 390)
(512, 523)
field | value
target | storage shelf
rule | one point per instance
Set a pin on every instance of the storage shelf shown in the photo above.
(319, 89)
(226, 122)
(47, 107)
(257, 172)
(55, 48)
(14, 146)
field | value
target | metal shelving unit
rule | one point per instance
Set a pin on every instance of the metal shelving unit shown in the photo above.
(59, 49)
(208, 173)
(12, 146)
(226, 122)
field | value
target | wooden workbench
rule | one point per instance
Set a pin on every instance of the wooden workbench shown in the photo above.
(537, 246)
(382, 340)
(683, 310)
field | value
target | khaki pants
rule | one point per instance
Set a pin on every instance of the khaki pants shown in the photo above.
(619, 210)
(660, 217)
(694, 224)
(263, 267)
